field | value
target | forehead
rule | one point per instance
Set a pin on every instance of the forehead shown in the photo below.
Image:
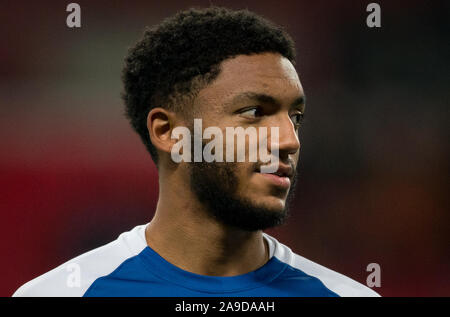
(267, 73)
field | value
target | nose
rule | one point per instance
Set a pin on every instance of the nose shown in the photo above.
(288, 142)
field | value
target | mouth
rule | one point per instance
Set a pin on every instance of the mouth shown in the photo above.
(281, 178)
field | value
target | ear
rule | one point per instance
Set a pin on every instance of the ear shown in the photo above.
(160, 123)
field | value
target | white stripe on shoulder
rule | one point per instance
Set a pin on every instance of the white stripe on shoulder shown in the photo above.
(74, 277)
(336, 282)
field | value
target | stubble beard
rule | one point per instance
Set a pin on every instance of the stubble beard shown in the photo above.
(216, 186)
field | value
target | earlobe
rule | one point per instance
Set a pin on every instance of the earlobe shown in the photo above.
(160, 123)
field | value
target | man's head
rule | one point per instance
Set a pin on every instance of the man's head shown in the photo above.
(230, 69)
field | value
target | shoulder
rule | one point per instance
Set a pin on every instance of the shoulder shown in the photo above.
(74, 277)
(334, 281)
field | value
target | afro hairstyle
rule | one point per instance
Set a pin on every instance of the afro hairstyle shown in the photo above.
(164, 68)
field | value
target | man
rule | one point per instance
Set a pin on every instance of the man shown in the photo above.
(230, 69)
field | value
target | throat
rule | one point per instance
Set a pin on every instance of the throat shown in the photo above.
(210, 251)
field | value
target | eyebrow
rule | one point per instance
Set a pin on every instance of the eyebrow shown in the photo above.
(264, 98)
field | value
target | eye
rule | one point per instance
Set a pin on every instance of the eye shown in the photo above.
(297, 119)
(252, 112)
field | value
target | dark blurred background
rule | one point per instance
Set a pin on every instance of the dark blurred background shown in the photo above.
(373, 184)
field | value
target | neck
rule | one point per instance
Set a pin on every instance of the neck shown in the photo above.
(184, 234)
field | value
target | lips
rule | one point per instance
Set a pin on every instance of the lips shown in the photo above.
(279, 181)
(284, 171)
(281, 178)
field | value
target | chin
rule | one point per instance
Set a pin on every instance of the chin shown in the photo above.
(271, 203)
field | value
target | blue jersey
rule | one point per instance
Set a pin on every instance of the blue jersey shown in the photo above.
(129, 267)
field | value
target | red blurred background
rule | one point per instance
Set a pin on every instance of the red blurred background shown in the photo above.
(374, 170)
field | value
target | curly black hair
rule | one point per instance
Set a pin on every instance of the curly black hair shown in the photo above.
(176, 58)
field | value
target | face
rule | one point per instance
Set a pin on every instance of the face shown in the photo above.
(260, 91)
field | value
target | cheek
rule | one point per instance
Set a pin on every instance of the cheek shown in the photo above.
(245, 173)
(297, 156)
